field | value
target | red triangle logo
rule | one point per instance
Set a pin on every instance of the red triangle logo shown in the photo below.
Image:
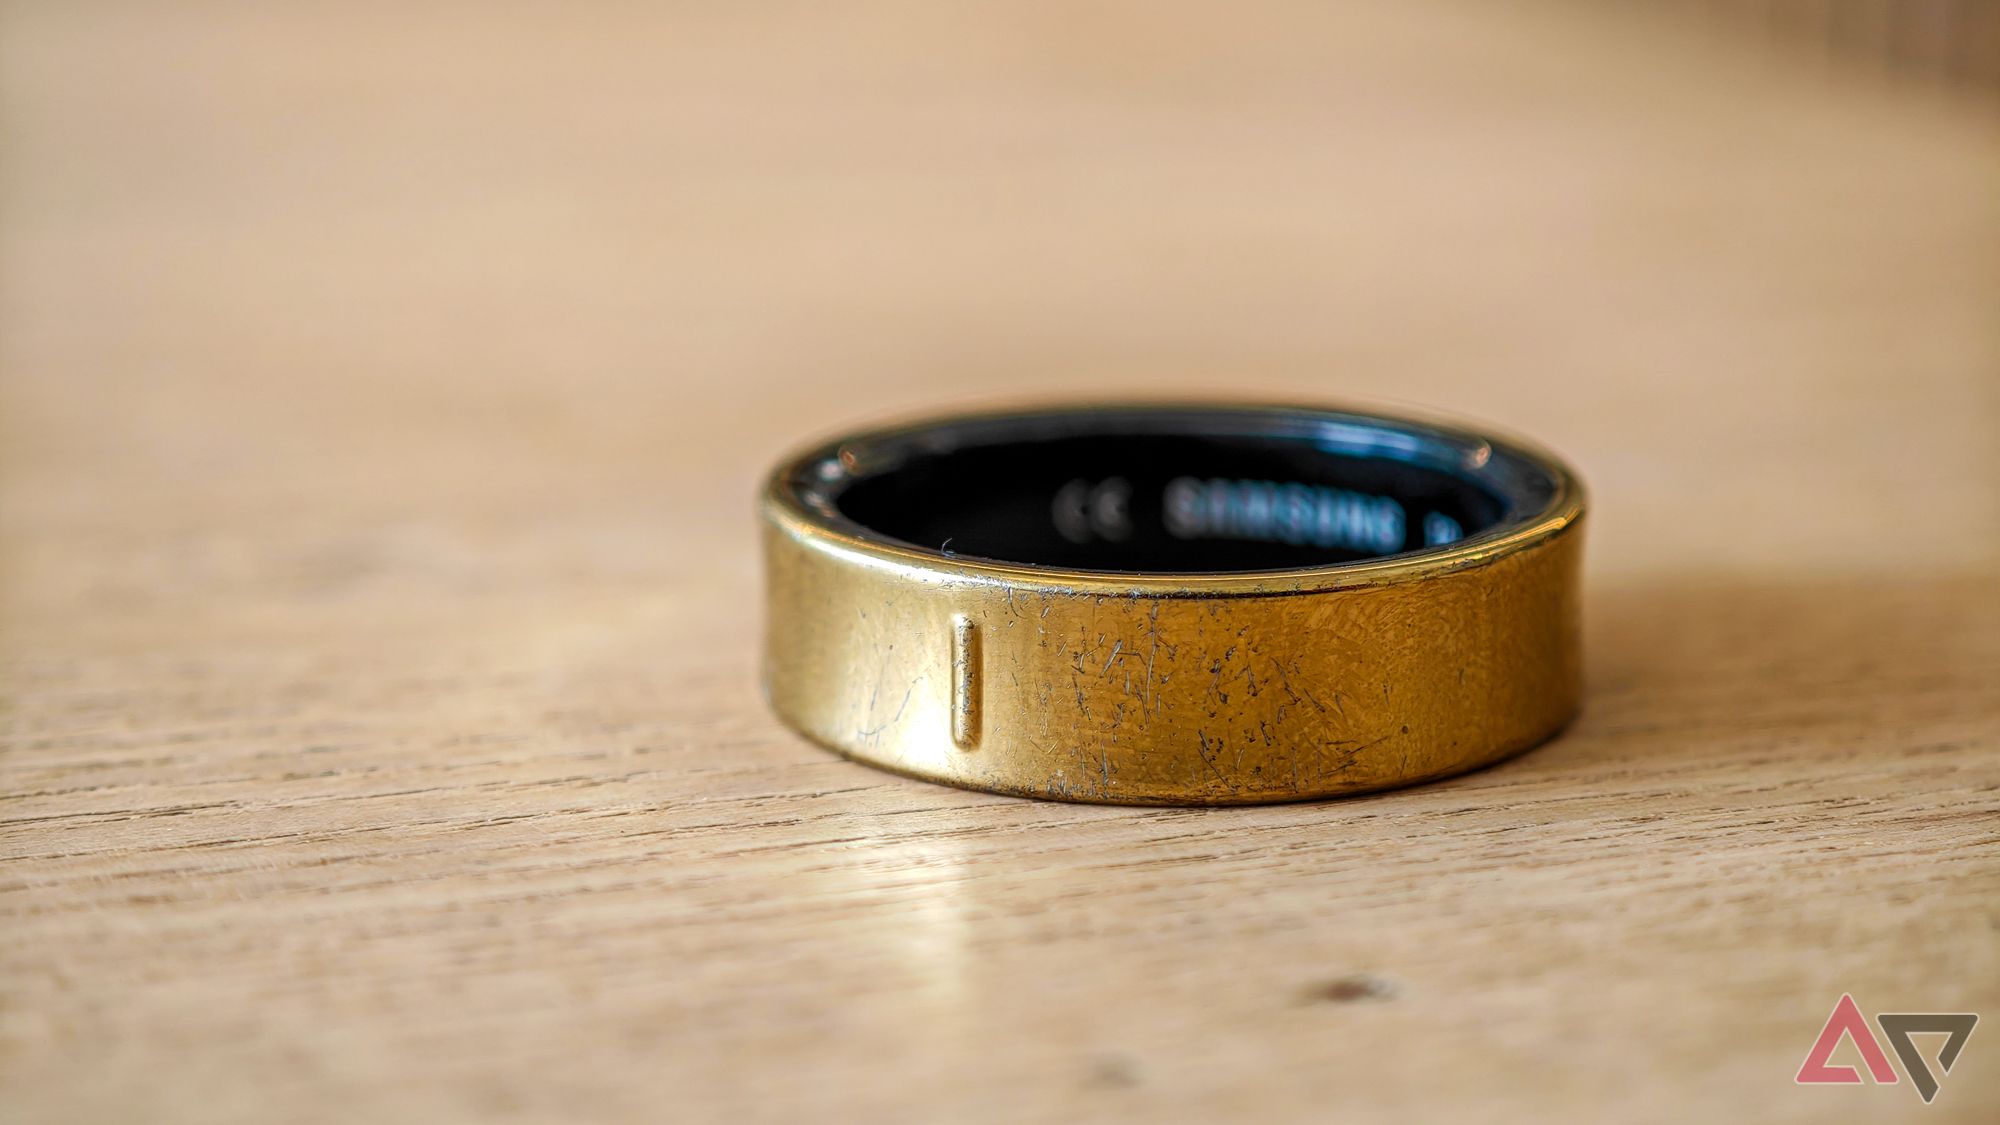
(1845, 1020)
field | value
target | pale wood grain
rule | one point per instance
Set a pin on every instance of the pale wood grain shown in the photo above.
(383, 396)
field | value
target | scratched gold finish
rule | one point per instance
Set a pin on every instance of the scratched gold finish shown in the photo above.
(1184, 689)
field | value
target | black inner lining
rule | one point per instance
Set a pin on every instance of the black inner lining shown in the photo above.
(1171, 502)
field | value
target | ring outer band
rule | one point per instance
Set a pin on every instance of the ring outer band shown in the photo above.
(1175, 689)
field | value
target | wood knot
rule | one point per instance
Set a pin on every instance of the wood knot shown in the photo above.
(1348, 990)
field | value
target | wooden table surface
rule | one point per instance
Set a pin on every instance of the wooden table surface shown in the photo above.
(385, 388)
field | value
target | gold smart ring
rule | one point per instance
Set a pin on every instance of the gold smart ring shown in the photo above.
(1174, 604)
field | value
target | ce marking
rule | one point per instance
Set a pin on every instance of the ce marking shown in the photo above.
(1085, 511)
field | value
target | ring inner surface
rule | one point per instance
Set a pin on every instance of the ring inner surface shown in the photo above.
(1174, 493)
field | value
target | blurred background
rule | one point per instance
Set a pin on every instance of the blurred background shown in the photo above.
(437, 269)
(395, 379)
